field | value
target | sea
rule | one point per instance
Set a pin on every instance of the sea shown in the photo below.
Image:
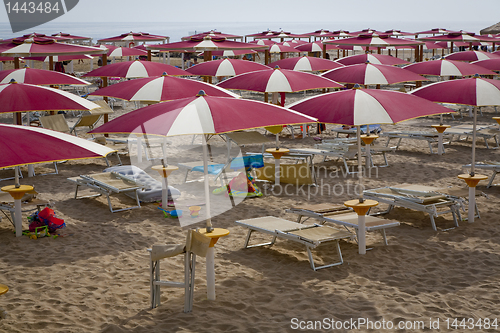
(177, 30)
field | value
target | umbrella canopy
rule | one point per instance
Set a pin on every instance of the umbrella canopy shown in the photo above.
(213, 33)
(205, 44)
(134, 37)
(21, 145)
(373, 40)
(306, 64)
(202, 115)
(447, 68)
(231, 53)
(491, 64)
(72, 37)
(356, 107)
(439, 31)
(21, 97)
(135, 69)
(39, 77)
(277, 48)
(159, 89)
(293, 42)
(267, 42)
(474, 91)
(115, 51)
(459, 36)
(376, 59)
(60, 58)
(315, 47)
(471, 56)
(225, 67)
(367, 74)
(398, 33)
(39, 46)
(278, 80)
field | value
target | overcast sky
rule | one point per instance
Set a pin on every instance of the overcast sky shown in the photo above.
(282, 11)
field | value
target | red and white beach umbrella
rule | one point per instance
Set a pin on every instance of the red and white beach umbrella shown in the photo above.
(115, 51)
(306, 64)
(21, 97)
(447, 68)
(277, 48)
(370, 74)
(205, 44)
(231, 53)
(491, 64)
(159, 89)
(356, 107)
(135, 69)
(39, 77)
(376, 59)
(203, 115)
(278, 80)
(471, 56)
(134, 37)
(315, 47)
(22, 145)
(373, 40)
(39, 46)
(225, 67)
(60, 58)
(474, 91)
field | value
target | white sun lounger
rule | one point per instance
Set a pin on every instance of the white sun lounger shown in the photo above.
(108, 183)
(341, 215)
(310, 236)
(485, 132)
(416, 197)
(430, 137)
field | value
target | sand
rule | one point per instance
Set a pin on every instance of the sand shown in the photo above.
(95, 277)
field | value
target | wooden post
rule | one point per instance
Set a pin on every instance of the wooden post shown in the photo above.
(149, 55)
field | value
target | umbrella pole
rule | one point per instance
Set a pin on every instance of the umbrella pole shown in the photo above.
(472, 189)
(206, 184)
(360, 171)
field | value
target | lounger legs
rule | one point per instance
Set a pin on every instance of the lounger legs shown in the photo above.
(315, 268)
(247, 240)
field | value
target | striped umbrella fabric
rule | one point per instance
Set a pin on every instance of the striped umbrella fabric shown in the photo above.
(39, 77)
(370, 74)
(306, 64)
(135, 69)
(278, 80)
(202, 115)
(22, 145)
(159, 89)
(376, 59)
(225, 67)
(491, 64)
(471, 56)
(115, 51)
(447, 68)
(39, 46)
(22, 97)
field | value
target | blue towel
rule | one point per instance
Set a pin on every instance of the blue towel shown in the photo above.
(213, 169)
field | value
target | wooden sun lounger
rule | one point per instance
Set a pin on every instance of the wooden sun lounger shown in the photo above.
(341, 215)
(417, 197)
(310, 236)
(108, 183)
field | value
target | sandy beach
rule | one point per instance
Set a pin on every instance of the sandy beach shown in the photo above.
(95, 276)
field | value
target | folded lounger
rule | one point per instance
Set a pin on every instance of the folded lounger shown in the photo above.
(422, 198)
(152, 189)
(108, 183)
(341, 215)
(311, 236)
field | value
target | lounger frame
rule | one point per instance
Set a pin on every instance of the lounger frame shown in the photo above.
(289, 235)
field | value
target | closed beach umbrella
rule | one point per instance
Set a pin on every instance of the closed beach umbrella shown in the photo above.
(135, 69)
(376, 59)
(159, 89)
(306, 64)
(447, 67)
(39, 77)
(356, 107)
(225, 67)
(471, 56)
(370, 74)
(22, 145)
(202, 115)
(474, 91)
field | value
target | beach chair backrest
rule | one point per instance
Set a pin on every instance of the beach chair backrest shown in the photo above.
(55, 122)
(197, 243)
